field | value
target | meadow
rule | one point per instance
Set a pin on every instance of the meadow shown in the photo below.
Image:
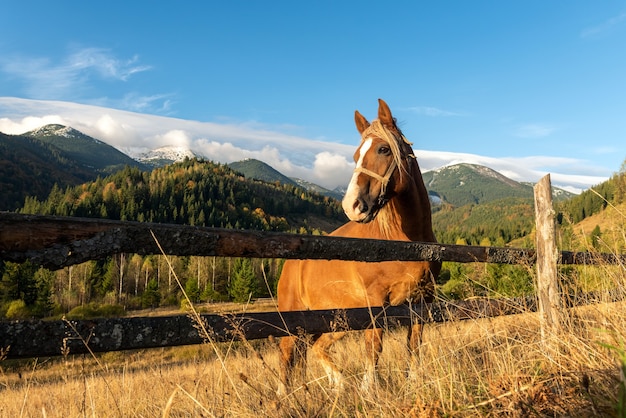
(486, 367)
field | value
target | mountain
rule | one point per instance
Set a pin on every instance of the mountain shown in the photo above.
(165, 155)
(336, 193)
(496, 222)
(255, 169)
(32, 163)
(194, 192)
(31, 167)
(463, 184)
(88, 152)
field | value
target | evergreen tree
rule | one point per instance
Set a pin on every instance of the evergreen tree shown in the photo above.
(243, 284)
(151, 296)
(18, 283)
(43, 305)
(595, 237)
(192, 290)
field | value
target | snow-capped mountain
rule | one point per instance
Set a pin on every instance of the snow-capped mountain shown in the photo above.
(165, 155)
(60, 131)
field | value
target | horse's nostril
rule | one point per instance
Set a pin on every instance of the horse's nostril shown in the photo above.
(359, 206)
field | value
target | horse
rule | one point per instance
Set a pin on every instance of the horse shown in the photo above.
(386, 199)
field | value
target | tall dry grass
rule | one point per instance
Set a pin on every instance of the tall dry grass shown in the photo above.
(487, 367)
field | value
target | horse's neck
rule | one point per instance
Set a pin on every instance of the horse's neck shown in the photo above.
(408, 216)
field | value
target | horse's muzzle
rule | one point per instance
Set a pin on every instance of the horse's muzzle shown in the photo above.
(360, 210)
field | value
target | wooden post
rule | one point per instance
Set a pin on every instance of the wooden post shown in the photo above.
(548, 295)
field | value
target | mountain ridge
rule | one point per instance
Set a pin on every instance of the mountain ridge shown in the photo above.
(464, 183)
(86, 150)
(455, 185)
(257, 169)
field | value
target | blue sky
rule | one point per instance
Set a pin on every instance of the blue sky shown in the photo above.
(526, 87)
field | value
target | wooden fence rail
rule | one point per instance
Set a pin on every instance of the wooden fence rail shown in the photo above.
(56, 242)
(22, 339)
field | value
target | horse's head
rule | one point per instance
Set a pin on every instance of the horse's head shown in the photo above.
(382, 166)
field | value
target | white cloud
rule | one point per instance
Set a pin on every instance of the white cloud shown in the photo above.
(136, 102)
(604, 27)
(325, 163)
(329, 166)
(109, 129)
(28, 123)
(176, 138)
(74, 76)
(103, 62)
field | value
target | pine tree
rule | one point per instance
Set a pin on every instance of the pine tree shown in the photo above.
(192, 290)
(18, 283)
(151, 296)
(243, 284)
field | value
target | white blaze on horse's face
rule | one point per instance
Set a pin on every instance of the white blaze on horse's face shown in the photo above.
(353, 204)
(350, 202)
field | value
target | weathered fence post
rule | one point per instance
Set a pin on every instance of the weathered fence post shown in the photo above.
(548, 295)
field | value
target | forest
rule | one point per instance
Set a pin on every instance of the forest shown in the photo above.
(193, 192)
(197, 192)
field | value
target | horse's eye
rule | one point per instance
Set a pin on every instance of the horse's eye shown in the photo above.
(384, 151)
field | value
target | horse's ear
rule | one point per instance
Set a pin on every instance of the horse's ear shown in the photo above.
(361, 123)
(384, 114)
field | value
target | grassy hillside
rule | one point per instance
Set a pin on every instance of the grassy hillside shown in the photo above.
(476, 368)
(496, 222)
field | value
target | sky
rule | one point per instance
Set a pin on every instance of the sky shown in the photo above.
(525, 87)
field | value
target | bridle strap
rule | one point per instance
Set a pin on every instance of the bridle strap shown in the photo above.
(378, 129)
(384, 180)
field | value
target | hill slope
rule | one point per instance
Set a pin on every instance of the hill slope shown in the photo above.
(88, 152)
(496, 222)
(463, 184)
(194, 192)
(255, 169)
(31, 167)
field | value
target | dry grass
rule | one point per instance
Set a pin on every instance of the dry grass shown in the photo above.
(490, 367)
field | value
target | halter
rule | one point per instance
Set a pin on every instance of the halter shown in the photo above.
(380, 131)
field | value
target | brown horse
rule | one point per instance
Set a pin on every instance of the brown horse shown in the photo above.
(386, 199)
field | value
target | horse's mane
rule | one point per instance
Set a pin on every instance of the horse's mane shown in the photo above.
(394, 139)
(403, 156)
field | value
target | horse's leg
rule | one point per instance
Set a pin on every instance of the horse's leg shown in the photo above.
(320, 349)
(292, 356)
(373, 348)
(414, 341)
(287, 361)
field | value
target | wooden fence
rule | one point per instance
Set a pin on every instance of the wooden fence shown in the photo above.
(57, 242)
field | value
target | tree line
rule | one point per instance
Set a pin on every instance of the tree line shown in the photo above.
(194, 192)
(203, 193)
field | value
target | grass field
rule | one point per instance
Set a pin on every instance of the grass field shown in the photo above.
(488, 367)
